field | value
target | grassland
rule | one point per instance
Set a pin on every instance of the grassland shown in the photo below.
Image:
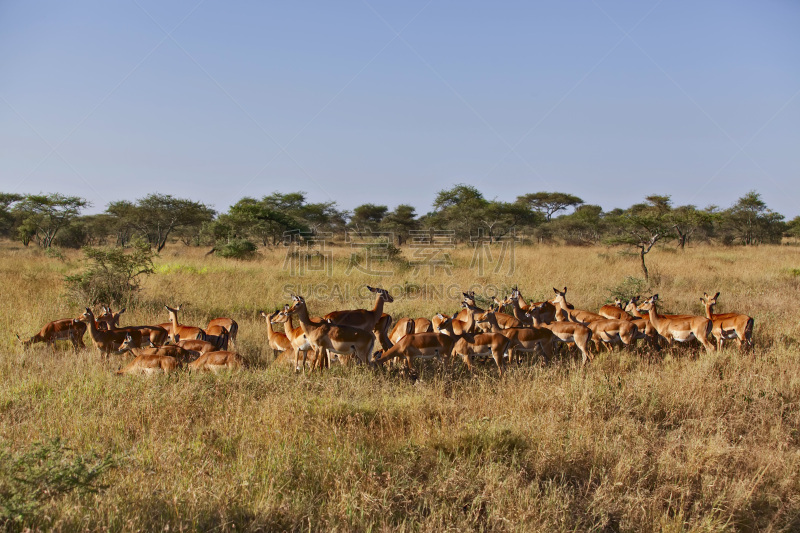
(682, 441)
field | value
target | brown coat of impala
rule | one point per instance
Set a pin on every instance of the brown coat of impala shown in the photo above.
(195, 345)
(327, 337)
(609, 331)
(469, 345)
(300, 343)
(569, 332)
(680, 328)
(227, 323)
(369, 319)
(615, 312)
(107, 341)
(65, 329)
(522, 339)
(401, 328)
(571, 314)
(427, 345)
(217, 362)
(181, 354)
(155, 334)
(728, 325)
(278, 340)
(175, 328)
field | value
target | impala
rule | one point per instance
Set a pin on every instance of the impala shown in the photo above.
(609, 331)
(194, 345)
(568, 332)
(545, 311)
(219, 336)
(180, 354)
(469, 344)
(217, 361)
(369, 319)
(107, 341)
(522, 339)
(728, 325)
(59, 330)
(227, 323)
(427, 345)
(615, 312)
(156, 334)
(327, 338)
(572, 314)
(185, 332)
(150, 364)
(679, 328)
(300, 343)
(404, 326)
(278, 341)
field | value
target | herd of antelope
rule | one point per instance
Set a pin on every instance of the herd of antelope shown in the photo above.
(508, 328)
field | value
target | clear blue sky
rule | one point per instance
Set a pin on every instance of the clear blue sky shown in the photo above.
(213, 101)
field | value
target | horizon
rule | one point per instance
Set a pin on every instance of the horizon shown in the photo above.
(608, 102)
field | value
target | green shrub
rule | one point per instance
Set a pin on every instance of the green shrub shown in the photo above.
(112, 276)
(629, 287)
(241, 249)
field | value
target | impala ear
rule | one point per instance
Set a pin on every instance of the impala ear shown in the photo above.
(655, 297)
(556, 290)
(702, 299)
(716, 296)
(120, 311)
(705, 294)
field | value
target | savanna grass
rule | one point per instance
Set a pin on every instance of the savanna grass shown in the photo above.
(677, 441)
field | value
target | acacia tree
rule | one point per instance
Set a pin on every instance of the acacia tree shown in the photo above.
(751, 222)
(643, 225)
(156, 216)
(6, 214)
(368, 216)
(401, 222)
(687, 220)
(549, 203)
(459, 209)
(41, 216)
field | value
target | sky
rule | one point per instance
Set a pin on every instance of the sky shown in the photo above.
(389, 102)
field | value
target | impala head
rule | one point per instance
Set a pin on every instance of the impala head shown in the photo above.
(297, 303)
(649, 303)
(469, 297)
(86, 316)
(126, 345)
(560, 294)
(618, 303)
(383, 292)
(709, 301)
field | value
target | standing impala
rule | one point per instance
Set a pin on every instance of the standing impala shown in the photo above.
(278, 341)
(107, 341)
(227, 323)
(58, 330)
(569, 312)
(469, 344)
(369, 319)
(567, 332)
(681, 329)
(185, 332)
(728, 325)
(327, 338)
(156, 334)
(522, 339)
(427, 345)
(404, 327)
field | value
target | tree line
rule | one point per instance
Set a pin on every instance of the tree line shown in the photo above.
(547, 217)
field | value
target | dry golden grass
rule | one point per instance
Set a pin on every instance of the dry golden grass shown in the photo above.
(679, 442)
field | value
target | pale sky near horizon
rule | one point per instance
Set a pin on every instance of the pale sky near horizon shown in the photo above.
(390, 102)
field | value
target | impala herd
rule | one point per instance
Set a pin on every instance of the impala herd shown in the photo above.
(507, 329)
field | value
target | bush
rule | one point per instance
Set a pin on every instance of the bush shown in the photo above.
(629, 287)
(112, 276)
(241, 249)
(44, 471)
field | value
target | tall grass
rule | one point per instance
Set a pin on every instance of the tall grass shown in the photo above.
(681, 441)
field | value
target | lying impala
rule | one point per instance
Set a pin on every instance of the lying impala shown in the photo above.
(679, 329)
(217, 362)
(369, 319)
(59, 330)
(194, 345)
(180, 354)
(728, 325)
(327, 338)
